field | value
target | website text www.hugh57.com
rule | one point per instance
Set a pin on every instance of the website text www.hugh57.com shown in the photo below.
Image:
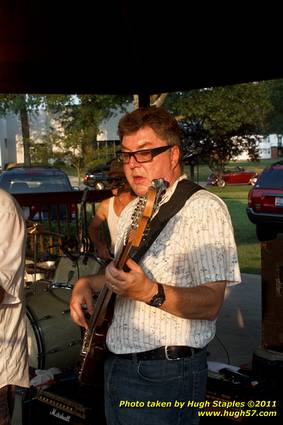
(236, 409)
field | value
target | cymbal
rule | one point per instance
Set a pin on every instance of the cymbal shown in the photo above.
(38, 229)
(48, 265)
(33, 227)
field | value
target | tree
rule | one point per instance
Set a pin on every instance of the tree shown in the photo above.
(21, 105)
(231, 118)
(275, 117)
(80, 123)
(78, 116)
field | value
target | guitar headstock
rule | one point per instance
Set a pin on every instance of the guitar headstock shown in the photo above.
(145, 209)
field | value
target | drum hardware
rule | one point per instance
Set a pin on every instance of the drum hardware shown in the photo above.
(68, 272)
(63, 348)
(102, 262)
(36, 230)
(60, 286)
(31, 278)
(40, 272)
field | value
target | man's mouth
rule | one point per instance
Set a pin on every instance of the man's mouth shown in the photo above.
(138, 179)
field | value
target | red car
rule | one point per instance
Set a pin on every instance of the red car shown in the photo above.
(265, 202)
(233, 176)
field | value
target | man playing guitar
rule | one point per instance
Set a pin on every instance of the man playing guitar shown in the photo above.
(167, 305)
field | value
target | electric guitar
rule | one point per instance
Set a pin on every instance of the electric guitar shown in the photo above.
(93, 346)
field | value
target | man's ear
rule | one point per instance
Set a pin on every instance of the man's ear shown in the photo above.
(175, 155)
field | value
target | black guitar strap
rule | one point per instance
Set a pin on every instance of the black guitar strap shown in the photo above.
(184, 190)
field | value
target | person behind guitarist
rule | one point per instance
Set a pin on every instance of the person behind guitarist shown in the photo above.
(109, 211)
(167, 305)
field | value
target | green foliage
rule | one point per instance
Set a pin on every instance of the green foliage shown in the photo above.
(231, 117)
(17, 102)
(40, 153)
(275, 117)
(80, 122)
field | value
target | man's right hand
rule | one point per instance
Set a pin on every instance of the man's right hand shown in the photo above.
(82, 295)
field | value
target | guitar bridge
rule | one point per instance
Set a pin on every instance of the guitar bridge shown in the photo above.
(85, 344)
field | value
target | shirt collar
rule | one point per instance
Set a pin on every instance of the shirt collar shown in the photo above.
(169, 192)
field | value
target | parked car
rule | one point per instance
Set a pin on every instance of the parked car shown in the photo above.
(236, 175)
(105, 176)
(265, 202)
(34, 180)
(97, 178)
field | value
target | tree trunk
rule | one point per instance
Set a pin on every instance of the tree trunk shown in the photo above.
(25, 135)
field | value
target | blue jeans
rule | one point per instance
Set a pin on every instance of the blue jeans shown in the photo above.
(151, 392)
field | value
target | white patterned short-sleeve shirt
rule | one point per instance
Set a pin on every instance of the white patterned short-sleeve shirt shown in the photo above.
(196, 246)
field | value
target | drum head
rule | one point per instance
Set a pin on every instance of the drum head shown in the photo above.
(54, 340)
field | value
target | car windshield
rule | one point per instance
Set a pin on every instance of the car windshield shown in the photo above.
(22, 183)
(271, 179)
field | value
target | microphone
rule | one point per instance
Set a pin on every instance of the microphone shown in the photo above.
(68, 244)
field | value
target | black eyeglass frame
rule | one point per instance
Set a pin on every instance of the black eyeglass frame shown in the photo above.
(153, 152)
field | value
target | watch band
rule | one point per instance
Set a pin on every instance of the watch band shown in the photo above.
(159, 298)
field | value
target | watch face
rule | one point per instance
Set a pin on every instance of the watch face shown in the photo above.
(157, 302)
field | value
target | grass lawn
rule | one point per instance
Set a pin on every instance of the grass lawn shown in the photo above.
(248, 246)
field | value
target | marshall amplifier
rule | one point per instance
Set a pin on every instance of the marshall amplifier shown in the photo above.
(63, 403)
(227, 392)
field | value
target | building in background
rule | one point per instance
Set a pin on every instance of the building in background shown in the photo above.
(8, 140)
(269, 147)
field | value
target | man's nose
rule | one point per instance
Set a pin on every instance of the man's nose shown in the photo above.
(133, 162)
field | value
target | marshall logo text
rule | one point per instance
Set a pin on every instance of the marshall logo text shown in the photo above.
(54, 412)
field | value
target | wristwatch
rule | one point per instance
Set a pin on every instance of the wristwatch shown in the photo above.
(158, 299)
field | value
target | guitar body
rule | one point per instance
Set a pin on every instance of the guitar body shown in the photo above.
(94, 342)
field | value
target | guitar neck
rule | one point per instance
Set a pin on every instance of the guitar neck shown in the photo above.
(100, 308)
(105, 293)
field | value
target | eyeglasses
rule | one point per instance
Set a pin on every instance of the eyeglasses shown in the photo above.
(144, 155)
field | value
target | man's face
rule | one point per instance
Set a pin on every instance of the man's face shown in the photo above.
(165, 165)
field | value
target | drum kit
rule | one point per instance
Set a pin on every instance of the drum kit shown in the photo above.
(54, 340)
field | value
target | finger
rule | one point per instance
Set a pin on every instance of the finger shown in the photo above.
(78, 316)
(89, 305)
(110, 269)
(133, 265)
(112, 274)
